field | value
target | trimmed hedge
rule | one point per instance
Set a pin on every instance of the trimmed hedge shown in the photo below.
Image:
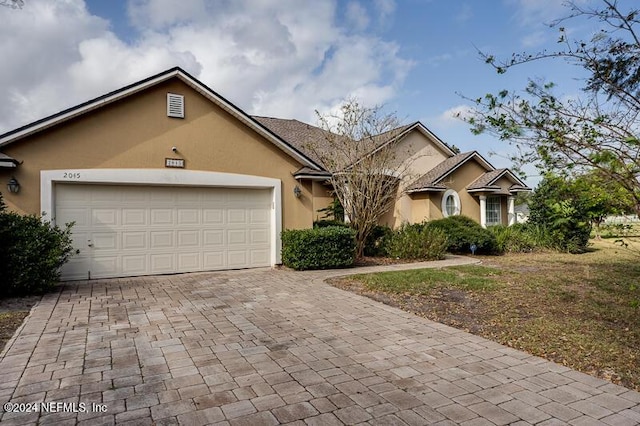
(31, 254)
(417, 241)
(318, 248)
(462, 231)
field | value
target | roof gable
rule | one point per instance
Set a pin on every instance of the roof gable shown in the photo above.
(176, 72)
(487, 181)
(431, 180)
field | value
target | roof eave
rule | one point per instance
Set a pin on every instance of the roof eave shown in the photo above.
(427, 189)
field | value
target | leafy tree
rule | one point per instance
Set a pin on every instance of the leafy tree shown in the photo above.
(563, 212)
(599, 130)
(601, 197)
(359, 152)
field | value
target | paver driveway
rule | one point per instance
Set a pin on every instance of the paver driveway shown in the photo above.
(264, 347)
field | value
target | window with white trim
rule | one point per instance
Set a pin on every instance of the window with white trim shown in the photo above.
(450, 203)
(175, 105)
(494, 212)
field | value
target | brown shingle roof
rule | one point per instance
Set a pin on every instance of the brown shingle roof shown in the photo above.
(303, 136)
(485, 180)
(296, 133)
(430, 179)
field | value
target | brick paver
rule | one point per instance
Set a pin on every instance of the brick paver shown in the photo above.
(263, 347)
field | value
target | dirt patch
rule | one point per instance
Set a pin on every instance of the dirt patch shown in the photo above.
(13, 311)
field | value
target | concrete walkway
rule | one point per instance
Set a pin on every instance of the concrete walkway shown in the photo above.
(267, 347)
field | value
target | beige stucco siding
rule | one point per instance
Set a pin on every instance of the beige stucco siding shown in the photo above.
(420, 207)
(420, 155)
(136, 133)
(322, 198)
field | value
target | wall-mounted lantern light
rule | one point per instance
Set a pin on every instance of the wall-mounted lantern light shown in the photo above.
(13, 185)
(297, 191)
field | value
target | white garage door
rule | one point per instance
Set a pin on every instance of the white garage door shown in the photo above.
(126, 231)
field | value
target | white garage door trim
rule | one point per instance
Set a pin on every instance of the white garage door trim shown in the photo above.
(48, 178)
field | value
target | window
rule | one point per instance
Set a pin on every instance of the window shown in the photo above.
(175, 105)
(494, 213)
(450, 203)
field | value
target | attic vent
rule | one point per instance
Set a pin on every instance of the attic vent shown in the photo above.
(175, 105)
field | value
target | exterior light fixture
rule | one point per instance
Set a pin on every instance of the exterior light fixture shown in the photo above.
(297, 191)
(13, 185)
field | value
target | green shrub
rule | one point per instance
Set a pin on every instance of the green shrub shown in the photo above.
(318, 248)
(515, 239)
(31, 254)
(417, 241)
(377, 240)
(462, 232)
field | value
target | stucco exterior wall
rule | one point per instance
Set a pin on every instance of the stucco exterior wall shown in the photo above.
(321, 199)
(136, 133)
(421, 155)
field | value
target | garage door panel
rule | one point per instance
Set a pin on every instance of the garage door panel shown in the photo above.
(135, 264)
(133, 230)
(161, 239)
(104, 217)
(213, 238)
(188, 217)
(189, 196)
(188, 238)
(260, 257)
(78, 215)
(259, 216)
(101, 194)
(258, 236)
(163, 262)
(161, 217)
(134, 217)
(163, 197)
(134, 240)
(212, 260)
(76, 269)
(104, 266)
(236, 237)
(212, 217)
(236, 216)
(104, 240)
(237, 258)
(189, 261)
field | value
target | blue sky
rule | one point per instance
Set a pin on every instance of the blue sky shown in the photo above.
(285, 58)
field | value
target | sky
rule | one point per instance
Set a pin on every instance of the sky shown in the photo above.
(286, 58)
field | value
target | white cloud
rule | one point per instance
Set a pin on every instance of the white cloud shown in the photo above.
(268, 57)
(454, 115)
(357, 16)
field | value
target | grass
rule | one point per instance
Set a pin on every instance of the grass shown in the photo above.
(582, 311)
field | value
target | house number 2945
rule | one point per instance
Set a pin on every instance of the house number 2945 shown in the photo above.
(71, 175)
